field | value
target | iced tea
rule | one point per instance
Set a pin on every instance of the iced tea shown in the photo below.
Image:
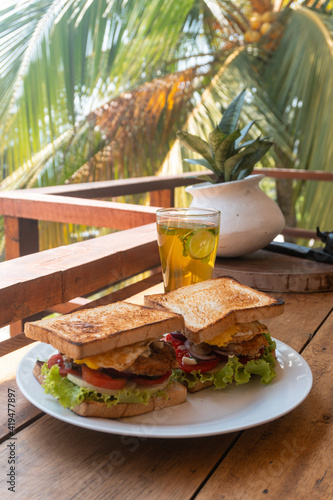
(187, 246)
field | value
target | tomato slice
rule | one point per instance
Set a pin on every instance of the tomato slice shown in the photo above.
(56, 359)
(201, 366)
(64, 368)
(141, 380)
(100, 379)
(181, 351)
(173, 341)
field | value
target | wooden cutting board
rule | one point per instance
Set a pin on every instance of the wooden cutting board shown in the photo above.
(273, 272)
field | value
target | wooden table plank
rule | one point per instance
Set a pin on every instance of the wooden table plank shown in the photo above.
(101, 465)
(303, 315)
(161, 468)
(24, 411)
(264, 461)
(291, 457)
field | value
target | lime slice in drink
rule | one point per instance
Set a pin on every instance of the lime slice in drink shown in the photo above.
(200, 244)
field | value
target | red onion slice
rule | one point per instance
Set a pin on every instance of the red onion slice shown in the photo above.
(222, 353)
(194, 354)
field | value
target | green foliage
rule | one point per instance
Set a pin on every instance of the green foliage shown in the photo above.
(97, 89)
(224, 154)
(63, 63)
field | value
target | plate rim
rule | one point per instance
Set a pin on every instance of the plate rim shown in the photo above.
(130, 428)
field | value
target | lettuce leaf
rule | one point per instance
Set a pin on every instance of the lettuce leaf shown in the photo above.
(70, 394)
(234, 371)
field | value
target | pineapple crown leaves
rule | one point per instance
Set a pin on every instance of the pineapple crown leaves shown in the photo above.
(225, 154)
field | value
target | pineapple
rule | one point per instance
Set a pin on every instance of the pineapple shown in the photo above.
(225, 154)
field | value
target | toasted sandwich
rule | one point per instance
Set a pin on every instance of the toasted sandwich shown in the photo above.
(110, 361)
(223, 340)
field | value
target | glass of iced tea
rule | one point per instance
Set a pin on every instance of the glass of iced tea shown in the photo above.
(187, 240)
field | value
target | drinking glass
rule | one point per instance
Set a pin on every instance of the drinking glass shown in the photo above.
(187, 240)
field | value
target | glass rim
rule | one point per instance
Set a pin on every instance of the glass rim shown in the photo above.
(188, 212)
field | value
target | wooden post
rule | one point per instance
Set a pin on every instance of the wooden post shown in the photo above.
(163, 198)
(21, 236)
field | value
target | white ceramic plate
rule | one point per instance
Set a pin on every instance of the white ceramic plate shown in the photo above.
(205, 413)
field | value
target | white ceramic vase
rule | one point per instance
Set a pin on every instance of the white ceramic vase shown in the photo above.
(249, 218)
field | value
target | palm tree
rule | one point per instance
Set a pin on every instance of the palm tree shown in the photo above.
(96, 89)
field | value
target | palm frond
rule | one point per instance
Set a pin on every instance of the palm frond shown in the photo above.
(28, 174)
(290, 100)
(299, 73)
(134, 130)
(62, 59)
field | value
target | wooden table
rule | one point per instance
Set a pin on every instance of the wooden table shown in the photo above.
(290, 457)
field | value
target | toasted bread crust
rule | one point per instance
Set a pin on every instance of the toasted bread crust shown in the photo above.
(199, 386)
(97, 330)
(37, 372)
(212, 306)
(176, 394)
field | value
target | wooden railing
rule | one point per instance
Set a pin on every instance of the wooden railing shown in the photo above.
(36, 281)
(81, 204)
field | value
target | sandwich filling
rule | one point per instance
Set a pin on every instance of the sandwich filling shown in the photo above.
(129, 374)
(236, 354)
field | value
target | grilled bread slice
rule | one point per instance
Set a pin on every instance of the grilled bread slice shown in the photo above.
(88, 332)
(211, 307)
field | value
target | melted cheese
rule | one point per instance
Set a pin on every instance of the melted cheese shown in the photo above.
(223, 338)
(119, 358)
(238, 332)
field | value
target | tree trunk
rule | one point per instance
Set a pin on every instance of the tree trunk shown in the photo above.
(284, 192)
